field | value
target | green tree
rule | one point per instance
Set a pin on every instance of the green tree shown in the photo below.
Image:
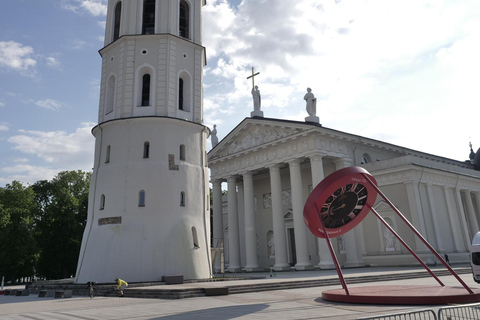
(61, 215)
(18, 251)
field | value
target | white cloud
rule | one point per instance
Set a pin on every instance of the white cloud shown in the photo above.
(372, 72)
(66, 151)
(77, 44)
(93, 7)
(2, 104)
(27, 174)
(3, 127)
(14, 55)
(52, 62)
(49, 104)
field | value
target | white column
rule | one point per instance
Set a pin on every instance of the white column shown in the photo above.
(466, 232)
(250, 230)
(241, 222)
(279, 236)
(454, 223)
(233, 239)
(416, 213)
(437, 230)
(316, 164)
(217, 220)
(301, 243)
(471, 214)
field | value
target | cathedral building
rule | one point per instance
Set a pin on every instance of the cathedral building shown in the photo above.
(269, 167)
(149, 214)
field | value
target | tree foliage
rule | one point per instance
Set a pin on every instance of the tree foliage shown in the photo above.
(18, 251)
(61, 214)
(41, 226)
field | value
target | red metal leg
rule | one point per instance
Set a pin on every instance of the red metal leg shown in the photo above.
(418, 234)
(332, 253)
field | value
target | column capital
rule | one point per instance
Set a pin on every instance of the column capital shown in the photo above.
(316, 156)
(231, 179)
(294, 162)
(246, 174)
(274, 166)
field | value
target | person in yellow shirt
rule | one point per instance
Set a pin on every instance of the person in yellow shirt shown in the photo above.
(121, 284)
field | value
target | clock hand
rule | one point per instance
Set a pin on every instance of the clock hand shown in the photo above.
(341, 207)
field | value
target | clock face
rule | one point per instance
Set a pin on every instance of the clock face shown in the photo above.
(343, 205)
(340, 202)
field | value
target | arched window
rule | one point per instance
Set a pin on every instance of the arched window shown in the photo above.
(180, 94)
(110, 96)
(141, 198)
(182, 152)
(148, 25)
(107, 154)
(102, 202)
(183, 26)
(182, 199)
(195, 238)
(184, 92)
(116, 22)
(366, 158)
(146, 90)
(146, 149)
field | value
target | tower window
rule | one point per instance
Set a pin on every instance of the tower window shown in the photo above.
(184, 91)
(116, 23)
(146, 149)
(180, 94)
(141, 198)
(107, 154)
(102, 202)
(182, 199)
(110, 96)
(146, 90)
(195, 238)
(184, 19)
(182, 152)
(148, 26)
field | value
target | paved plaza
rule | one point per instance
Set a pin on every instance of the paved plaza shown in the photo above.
(303, 303)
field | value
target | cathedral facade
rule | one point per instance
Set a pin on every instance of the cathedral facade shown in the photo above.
(269, 167)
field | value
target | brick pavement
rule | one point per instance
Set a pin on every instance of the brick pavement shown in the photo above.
(304, 303)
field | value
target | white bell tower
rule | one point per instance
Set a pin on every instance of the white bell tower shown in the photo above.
(148, 212)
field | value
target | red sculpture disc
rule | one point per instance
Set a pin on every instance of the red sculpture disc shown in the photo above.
(340, 201)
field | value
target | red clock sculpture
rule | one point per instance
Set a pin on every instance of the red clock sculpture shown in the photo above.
(341, 201)
(338, 204)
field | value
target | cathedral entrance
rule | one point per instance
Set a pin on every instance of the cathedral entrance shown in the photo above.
(292, 251)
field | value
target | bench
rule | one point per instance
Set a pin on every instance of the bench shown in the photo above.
(221, 291)
(177, 279)
(46, 293)
(63, 294)
(22, 293)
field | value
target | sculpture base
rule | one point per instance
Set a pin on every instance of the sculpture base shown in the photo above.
(256, 114)
(403, 295)
(312, 119)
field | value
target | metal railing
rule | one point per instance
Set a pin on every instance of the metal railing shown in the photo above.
(427, 314)
(460, 312)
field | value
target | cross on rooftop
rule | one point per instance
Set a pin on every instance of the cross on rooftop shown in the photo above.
(253, 77)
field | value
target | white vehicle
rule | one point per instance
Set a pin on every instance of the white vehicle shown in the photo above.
(475, 257)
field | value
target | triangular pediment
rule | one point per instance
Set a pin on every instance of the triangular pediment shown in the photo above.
(253, 133)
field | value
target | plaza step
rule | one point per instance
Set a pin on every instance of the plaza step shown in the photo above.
(235, 287)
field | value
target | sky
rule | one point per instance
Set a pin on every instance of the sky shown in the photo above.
(406, 72)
